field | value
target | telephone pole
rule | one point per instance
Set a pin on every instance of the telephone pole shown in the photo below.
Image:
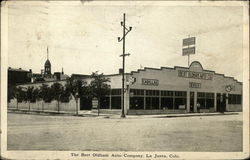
(125, 32)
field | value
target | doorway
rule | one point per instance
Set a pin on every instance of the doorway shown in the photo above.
(221, 102)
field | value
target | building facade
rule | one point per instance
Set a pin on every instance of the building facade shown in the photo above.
(174, 90)
(167, 90)
(181, 89)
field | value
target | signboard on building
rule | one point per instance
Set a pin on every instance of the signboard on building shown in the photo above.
(194, 85)
(188, 51)
(188, 41)
(195, 75)
(153, 82)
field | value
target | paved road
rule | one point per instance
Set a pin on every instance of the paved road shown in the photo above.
(206, 133)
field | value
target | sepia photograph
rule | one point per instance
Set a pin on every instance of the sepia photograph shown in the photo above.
(124, 80)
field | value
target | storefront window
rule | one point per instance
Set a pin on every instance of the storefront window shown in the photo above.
(167, 93)
(152, 102)
(180, 103)
(234, 99)
(136, 99)
(116, 102)
(155, 102)
(167, 99)
(148, 102)
(180, 100)
(152, 92)
(206, 100)
(136, 103)
(180, 94)
(152, 99)
(137, 92)
(167, 103)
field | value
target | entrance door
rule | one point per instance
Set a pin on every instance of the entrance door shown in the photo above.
(191, 102)
(221, 102)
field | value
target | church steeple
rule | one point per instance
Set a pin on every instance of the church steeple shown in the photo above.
(47, 53)
(47, 65)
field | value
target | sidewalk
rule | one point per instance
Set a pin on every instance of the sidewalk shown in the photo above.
(172, 115)
(117, 116)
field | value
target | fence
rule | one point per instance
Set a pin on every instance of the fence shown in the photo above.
(41, 106)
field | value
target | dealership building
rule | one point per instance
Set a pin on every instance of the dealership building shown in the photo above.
(174, 90)
(167, 90)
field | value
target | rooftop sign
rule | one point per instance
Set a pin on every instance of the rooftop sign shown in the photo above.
(188, 41)
(187, 51)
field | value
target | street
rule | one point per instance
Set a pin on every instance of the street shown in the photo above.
(135, 133)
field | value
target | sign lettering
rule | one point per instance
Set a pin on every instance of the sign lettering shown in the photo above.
(153, 82)
(194, 85)
(195, 75)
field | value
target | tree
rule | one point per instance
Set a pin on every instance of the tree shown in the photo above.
(76, 88)
(99, 87)
(65, 96)
(35, 95)
(29, 94)
(19, 94)
(44, 94)
(56, 92)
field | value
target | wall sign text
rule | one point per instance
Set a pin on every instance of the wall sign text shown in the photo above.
(195, 75)
(194, 85)
(154, 82)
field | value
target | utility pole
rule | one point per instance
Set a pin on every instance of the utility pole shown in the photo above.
(125, 32)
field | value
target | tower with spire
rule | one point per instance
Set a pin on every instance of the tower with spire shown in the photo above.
(47, 65)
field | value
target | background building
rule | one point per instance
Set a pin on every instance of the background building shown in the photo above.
(16, 76)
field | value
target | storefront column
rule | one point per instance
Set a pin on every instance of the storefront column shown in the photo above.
(215, 102)
(195, 101)
(188, 101)
(126, 101)
(227, 102)
(144, 102)
(160, 100)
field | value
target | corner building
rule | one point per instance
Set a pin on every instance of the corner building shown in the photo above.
(175, 90)
(164, 90)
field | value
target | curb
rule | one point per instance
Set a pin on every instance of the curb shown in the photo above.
(112, 116)
(196, 115)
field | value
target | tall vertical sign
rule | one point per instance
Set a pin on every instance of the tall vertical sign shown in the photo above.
(188, 45)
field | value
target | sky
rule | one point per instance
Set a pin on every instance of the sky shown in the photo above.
(82, 38)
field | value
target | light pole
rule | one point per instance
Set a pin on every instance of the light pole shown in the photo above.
(125, 32)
